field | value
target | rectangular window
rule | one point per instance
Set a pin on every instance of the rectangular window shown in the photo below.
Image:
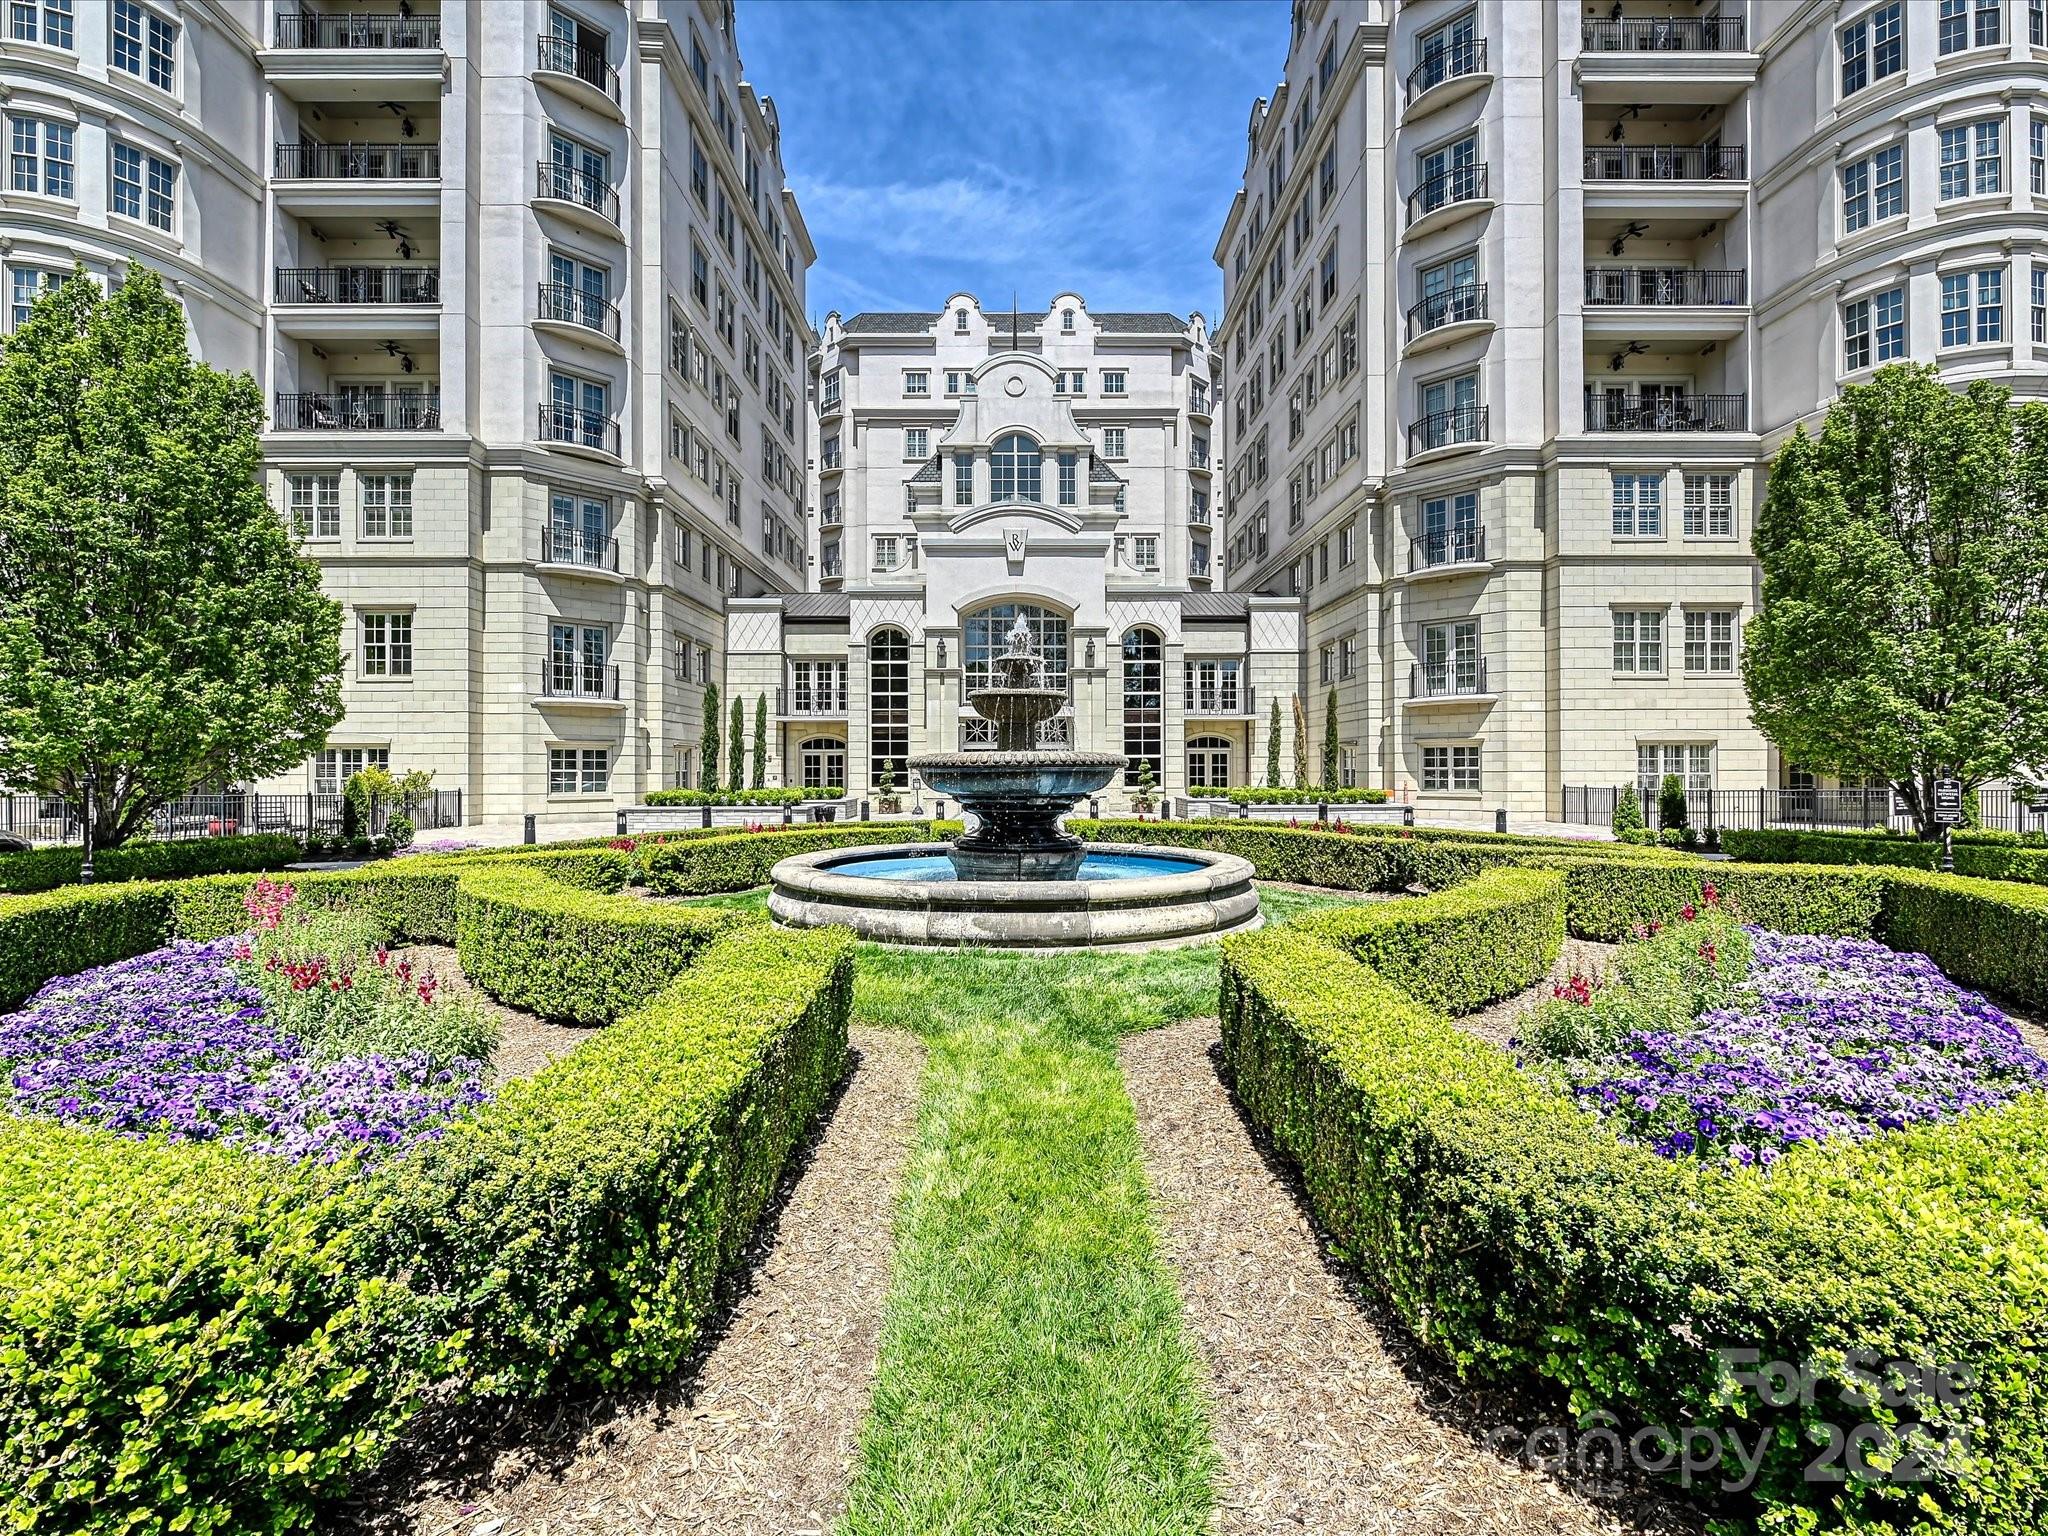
(1112, 442)
(1639, 506)
(127, 181)
(1639, 640)
(315, 502)
(1710, 640)
(387, 644)
(1692, 762)
(2037, 153)
(2040, 302)
(1855, 335)
(578, 770)
(56, 17)
(1958, 327)
(2037, 23)
(917, 442)
(1710, 506)
(1113, 381)
(1069, 479)
(387, 506)
(24, 286)
(1855, 196)
(917, 382)
(1872, 48)
(1145, 551)
(1972, 159)
(1888, 322)
(963, 480)
(51, 173)
(337, 765)
(145, 45)
(1451, 769)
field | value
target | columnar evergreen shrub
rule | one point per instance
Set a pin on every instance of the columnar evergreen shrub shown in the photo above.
(736, 746)
(712, 763)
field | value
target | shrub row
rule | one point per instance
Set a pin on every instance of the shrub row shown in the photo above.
(1518, 1238)
(739, 861)
(737, 796)
(45, 869)
(194, 1339)
(1249, 794)
(1990, 856)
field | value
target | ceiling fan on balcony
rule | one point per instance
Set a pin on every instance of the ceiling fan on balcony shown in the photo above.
(405, 124)
(1615, 133)
(405, 362)
(390, 227)
(1634, 349)
(1635, 231)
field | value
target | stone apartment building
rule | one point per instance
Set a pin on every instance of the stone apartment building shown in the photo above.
(1520, 298)
(524, 287)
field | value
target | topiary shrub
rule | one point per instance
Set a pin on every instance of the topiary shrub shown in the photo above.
(1671, 807)
(1628, 814)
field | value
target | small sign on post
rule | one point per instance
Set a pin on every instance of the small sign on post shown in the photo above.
(1948, 815)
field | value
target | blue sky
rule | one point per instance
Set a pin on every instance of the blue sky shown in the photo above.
(1031, 145)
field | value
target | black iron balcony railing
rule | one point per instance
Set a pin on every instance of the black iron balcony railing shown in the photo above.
(358, 285)
(831, 569)
(1198, 570)
(1667, 413)
(584, 429)
(303, 29)
(315, 412)
(1665, 285)
(1198, 459)
(1198, 402)
(1448, 63)
(831, 515)
(1447, 546)
(1458, 678)
(1198, 515)
(1663, 34)
(1442, 429)
(571, 677)
(811, 703)
(358, 162)
(1453, 306)
(1220, 698)
(573, 186)
(574, 546)
(561, 56)
(1666, 162)
(1460, 184)
(560, 301)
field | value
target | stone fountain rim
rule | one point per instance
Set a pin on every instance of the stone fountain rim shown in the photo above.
(1030, 759)
(811, 875)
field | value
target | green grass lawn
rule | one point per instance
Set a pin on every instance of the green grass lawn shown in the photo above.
(1034, 1377)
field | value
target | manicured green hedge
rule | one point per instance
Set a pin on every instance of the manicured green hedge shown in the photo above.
(62, 932)
(739, 861)
(189, 1338)
(1989, 856)
(44, 869)
(736, 797)
(576, 1227)
(1519, 1239)
(1260, 795)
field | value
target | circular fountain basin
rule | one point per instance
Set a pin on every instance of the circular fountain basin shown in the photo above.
(1126, 896)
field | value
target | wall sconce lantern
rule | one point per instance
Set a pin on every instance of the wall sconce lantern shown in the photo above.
(942, 655)
(1090, 653)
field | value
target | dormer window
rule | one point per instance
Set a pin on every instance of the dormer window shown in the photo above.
(1067, 321)
(960, 322)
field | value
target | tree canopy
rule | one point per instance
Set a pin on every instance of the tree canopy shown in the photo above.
(1903, 632)
(158, 626)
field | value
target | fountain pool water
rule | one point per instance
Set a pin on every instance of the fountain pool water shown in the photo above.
(1016, 879)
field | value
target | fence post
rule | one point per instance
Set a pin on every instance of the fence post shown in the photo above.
(309, 816)
(531, 838)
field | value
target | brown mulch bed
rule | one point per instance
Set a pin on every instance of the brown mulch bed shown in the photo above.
(525, 1043)
(756, 1436)
(1578, 957)
(1327, 1416)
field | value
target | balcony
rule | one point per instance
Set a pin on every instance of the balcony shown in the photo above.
(1461, 426)
(1221, 700)
(357, 179)
(1460, 681)
(830, 568)
(830, 463)
(577, 195)
(573, 681)
(831, 515)
(1448, 552)
(1198, 461)
(1198, 570)
(1446, 198)
(582, 73)
(575, 550)
(1198, 514)
(360, 57)
(357, 285)
(1667, 413)
(1444, 317)
(1665, 304)
(1705, 181)
(562, 305)
(1199, 404)
(831, 404)
(1659, 59)
(1667, 162)
(811, 703)
(367, 411)
(570, 427)
(1445, 75)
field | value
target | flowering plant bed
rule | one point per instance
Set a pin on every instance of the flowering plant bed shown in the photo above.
(1729, 1042)
(303, 1038)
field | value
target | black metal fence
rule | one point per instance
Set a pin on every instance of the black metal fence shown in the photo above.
(1817, 810)
(226, 813)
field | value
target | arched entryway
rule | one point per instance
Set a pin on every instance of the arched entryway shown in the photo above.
(821, 763)
(1208, 763)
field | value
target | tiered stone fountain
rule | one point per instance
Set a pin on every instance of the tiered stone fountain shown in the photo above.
(1016, 879)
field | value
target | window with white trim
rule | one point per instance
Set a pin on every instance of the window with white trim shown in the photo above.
(888, 551)
(917, 382)
(2037, 154)
(963, 480)
(1709, 506)
(1961, 24)
(1692, 761)
(1145, 551)
(145, 45)
(1972, 159)
(917, 443)
(337, 765)
(1961, 322)
(315, 505)
(1710, 640)
(386, 505)
(1873, 47)
(50, 22)
(1069, 479)
(386, 644)
(1113, 381)
(1639, 641)
(2040, 304)
(1451, 769)
(1873, 187)
(1112, 442)
(2037, 23)
(1638, 511)
(578, 770)
(40, 158)
(1874, 329)
(145, 186)
(24, 286)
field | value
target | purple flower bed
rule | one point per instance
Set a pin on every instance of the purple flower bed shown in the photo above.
(1829, 1038)
(176, 1043)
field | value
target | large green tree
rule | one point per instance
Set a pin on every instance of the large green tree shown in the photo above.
(158, 627)
(1903, 631)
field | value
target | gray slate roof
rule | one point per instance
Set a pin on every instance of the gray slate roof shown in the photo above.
(895, 322)
(1213, 605)
(1100, 473)
(928, 472)
(816, 607)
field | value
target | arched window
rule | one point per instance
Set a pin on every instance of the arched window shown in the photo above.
(1143, 686)
(1067, 320)
(986, 632)
(1013, 469)
(1209, 762)
(888, 705)
(822, 761)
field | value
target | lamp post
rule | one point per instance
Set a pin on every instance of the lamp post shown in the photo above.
(89, 782)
